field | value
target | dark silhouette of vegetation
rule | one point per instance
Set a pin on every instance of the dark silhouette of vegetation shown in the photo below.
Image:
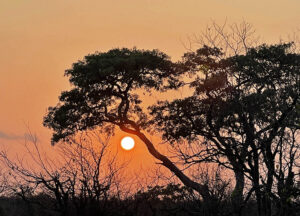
(104, 92)
(80, 182)
(242, 113)
(238, 119)
(244, 109)
(168, 200)
(87, 181)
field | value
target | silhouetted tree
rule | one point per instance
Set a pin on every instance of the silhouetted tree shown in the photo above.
(78, 182)
(237, 112)
(105, 91)
(239, 106)
(232, 38)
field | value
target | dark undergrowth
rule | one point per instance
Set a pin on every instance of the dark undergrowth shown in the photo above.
(157, 201)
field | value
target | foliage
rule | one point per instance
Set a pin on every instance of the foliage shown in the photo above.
(103, 92)
(241, 114)
(244, 110)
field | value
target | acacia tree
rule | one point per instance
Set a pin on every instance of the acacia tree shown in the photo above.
(240, 107)
(105, 92)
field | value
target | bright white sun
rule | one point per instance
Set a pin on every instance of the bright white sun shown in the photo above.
(127, 143)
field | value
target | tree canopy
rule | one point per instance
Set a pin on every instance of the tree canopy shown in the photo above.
(103, 90)
(242, 112)
(243, 109)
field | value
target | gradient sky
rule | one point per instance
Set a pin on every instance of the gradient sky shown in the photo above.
(39, 39)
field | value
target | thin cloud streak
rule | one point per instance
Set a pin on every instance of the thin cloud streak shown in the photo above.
(6, 136)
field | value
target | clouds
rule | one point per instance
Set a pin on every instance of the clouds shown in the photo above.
(7, 136)
(30, 137)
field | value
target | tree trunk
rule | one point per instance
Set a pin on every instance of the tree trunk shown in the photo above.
(202, 189)
(237, 194)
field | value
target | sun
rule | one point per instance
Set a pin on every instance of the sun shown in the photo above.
(127, 143)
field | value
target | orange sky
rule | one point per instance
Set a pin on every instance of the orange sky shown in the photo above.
(39, 39)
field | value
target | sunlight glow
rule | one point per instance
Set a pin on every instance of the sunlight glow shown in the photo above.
(127, 143)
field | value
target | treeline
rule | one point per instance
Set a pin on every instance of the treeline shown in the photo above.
(159, 200)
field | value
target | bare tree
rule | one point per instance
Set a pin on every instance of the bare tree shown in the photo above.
(84, 175)
(232, 38)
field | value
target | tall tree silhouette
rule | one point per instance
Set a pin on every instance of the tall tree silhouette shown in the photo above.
(240, 107)
(104, 93)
